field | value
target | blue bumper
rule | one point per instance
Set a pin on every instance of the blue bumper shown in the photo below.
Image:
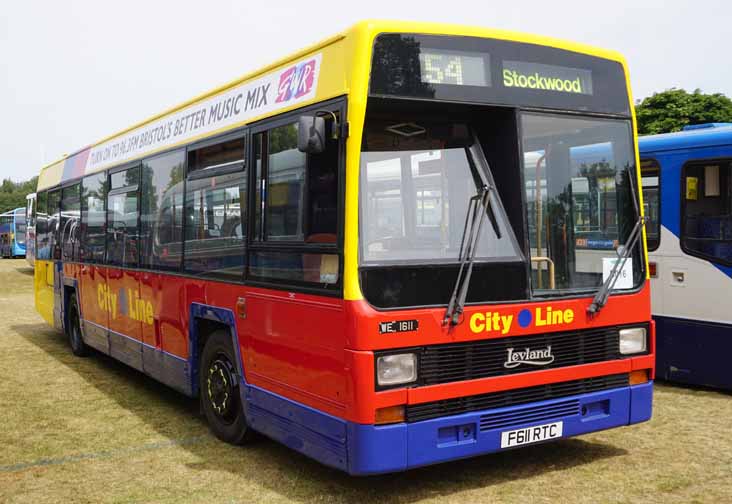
(379, 449)
(369, 449)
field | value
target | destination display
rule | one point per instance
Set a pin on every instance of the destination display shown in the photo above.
(454, 67)
(521, 74)
(481, 70)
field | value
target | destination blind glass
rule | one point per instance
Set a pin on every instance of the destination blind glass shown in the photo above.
(470, 69)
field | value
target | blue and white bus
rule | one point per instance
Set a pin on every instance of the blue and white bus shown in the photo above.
(687, 193)
(12, 233)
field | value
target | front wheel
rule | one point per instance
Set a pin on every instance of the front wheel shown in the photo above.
(219, 390)
(78, 347)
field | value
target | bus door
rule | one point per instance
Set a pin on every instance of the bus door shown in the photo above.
(122, 293)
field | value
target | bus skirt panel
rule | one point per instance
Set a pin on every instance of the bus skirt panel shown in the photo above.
(363, 449)
(694, 352)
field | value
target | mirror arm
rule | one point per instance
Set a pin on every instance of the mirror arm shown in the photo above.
(322, 112)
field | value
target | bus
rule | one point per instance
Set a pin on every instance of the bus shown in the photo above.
(12, 233)
(30, 229)
(687, 192)
(334, 250)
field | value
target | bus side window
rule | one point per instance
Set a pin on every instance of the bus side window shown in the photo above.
(41, 226)
(52, 224)
(707, 210)
(93, 218)
(215, 210)
(122, 218)
(651, 178)
(298, 193)
(69, 231)
(30, 212)
(161, 240)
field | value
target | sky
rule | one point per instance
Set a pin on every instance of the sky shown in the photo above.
(75, 71)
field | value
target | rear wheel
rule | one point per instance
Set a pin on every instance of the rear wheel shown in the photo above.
(219, 390)
(78, 347)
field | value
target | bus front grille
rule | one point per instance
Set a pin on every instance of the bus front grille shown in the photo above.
(486, 358)
(506, 398)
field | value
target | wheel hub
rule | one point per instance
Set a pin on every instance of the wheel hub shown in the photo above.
(220, 385)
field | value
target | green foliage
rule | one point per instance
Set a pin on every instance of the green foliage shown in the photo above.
(282, 139)
(12, 194)
(673, 109)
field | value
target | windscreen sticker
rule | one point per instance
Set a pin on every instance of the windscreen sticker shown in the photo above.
(625, 277)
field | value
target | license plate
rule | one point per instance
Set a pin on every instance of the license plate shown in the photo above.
(530, 435)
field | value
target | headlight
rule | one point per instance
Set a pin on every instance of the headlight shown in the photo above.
(396, 369)
(632, 340)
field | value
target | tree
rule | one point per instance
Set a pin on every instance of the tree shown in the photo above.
(673, 109)
(12, 194)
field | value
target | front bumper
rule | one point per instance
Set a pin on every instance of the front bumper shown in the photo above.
(378, 449)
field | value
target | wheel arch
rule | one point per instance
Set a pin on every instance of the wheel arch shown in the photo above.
(204, 320)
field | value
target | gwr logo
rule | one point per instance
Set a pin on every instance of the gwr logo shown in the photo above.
(125, 302)
(296, 81)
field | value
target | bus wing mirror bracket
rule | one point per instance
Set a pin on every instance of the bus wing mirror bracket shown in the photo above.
(311, 134)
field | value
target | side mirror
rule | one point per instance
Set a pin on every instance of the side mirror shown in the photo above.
(311, 134)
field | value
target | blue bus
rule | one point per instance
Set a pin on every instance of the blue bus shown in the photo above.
(12, 233)
(687, 193)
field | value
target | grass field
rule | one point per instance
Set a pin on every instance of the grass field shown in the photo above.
(93, 430)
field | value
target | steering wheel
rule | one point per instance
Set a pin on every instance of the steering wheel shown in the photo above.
(383, 240)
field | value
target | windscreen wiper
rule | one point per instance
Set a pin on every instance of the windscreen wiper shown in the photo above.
(480, 206)
(624, 251)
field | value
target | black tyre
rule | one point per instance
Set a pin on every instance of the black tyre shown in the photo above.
(219, 390)
(78, 347)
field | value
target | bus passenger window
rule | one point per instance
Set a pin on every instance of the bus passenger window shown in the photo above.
(122, 217)
(161, 219)
(651, 172)
(321, 202)
(301, 189)
(20, 227)
(69, 226)
(707, 210)
(285, 186)
(42, 251)
(215, 211)
(93, 218)
(296, 206)
(54, 198)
